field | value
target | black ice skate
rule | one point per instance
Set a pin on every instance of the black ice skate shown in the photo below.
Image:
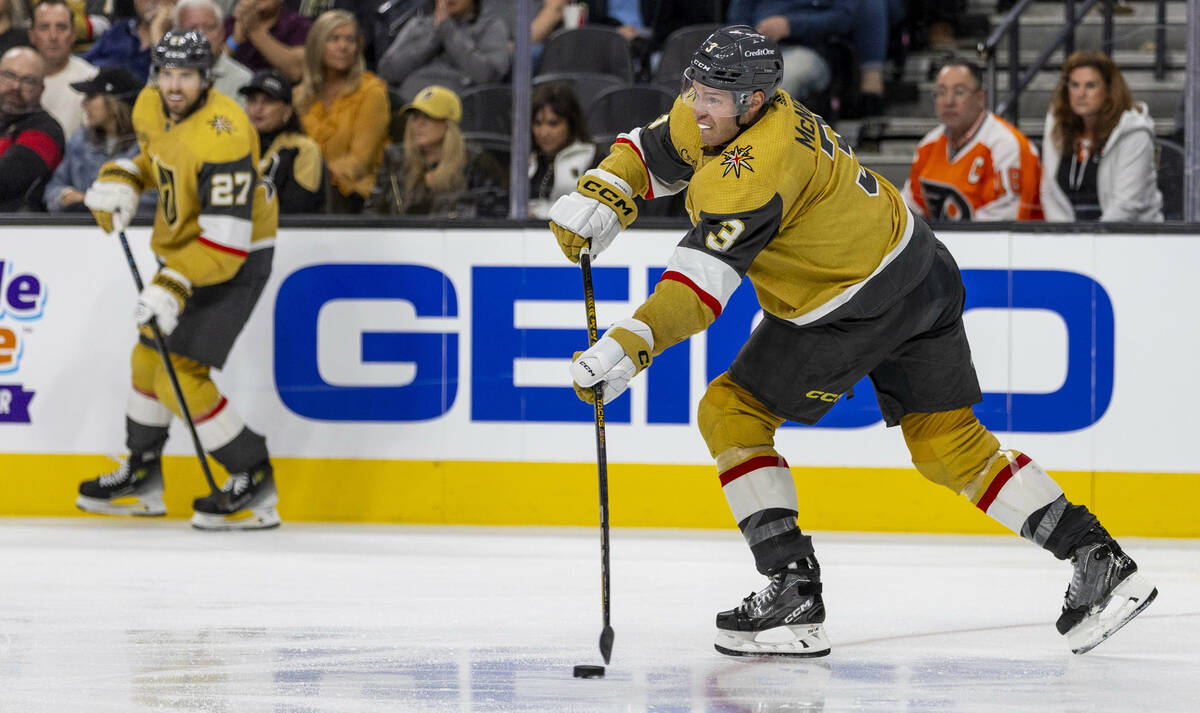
(1105, 593)
(785, 619)
(246, 502)
(134, 488)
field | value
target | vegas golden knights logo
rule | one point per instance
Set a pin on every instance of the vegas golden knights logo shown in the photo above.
(166, 193)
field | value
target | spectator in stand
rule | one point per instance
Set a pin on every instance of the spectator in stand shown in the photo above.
(933, 24)
(546, 20)
(458, 45)
(88, 26)
(563, 150)
(53, 35)
(267, 33)
(128, 42)
(12, 25)
(228, 74)
(975, 165)
(291, 160)
(366, 12)
(344, 108)
(107, 134)
(802, 29)
(434, 172)
(31, 141)
(1099, 147)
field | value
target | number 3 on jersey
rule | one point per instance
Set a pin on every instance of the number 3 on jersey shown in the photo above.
(721, 240)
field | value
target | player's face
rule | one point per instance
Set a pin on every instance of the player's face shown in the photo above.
(204, 20)
(341, 49)
(715, 113)
(958, 99)
(1086, 91)
(550, 131)
(180, 88)
(425, 130)
(52, 33)
(267, 113)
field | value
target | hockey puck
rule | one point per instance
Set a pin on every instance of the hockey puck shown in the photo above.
(588, 671)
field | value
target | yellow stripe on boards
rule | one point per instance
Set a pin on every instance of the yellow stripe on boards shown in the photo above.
(485, 493)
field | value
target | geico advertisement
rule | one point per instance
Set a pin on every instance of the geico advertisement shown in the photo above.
(453, 345)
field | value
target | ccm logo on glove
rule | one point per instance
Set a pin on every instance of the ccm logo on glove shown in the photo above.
(614, 199)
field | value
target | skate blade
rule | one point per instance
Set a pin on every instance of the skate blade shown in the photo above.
(128, 505)
(808, 641)
(248, 519)
(1127, 601)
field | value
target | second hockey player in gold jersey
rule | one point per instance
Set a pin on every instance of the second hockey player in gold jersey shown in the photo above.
(851, 285)
(213, 235)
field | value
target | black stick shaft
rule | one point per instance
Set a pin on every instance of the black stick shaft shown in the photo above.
(161, 343)
(589, 298)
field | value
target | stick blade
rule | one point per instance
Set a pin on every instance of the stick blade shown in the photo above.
(606, 643)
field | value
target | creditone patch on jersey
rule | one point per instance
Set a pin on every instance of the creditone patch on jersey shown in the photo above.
(221, 124)
(735, 159)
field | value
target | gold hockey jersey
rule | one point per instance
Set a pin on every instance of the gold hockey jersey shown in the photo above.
(785, 203)
(213, 207)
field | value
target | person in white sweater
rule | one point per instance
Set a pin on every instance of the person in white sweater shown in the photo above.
(1098, 153)
(563, 149)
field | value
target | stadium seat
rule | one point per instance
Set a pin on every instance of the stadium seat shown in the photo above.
(586, 85)
(1170, 163)
(601, 50)
(619, 109)
(677, 52)
(487, 108)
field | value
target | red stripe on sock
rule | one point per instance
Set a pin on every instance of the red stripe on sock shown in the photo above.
(216, 410)
(147, 394)
(998, 484)
(741, 469)
(712, 302)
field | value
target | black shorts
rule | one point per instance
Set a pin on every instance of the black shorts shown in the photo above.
(215, 314)
(915, 352)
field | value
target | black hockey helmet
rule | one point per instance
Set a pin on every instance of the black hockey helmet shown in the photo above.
(179, 48)
(739, 60)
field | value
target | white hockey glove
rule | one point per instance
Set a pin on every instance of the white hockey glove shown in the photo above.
(618, 356)
(600, 207)
(113, 196)
(163, 299)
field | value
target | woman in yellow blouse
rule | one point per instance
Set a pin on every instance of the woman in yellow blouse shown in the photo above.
(343, 108)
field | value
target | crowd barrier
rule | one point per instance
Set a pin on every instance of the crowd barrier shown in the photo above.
(419, 375)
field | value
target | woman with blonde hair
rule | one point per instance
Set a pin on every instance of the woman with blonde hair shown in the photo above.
(344, 108)
(1098, 153)
(434, 171)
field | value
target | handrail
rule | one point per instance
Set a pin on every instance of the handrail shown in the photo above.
(1065, 38)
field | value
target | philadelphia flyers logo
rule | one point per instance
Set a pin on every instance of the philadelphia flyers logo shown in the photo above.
(944, 202)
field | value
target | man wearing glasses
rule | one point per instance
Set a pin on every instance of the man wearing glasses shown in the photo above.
(975, 165)
(31, 141)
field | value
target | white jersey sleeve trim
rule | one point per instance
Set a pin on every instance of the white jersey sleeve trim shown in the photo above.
(706, 273)
(848, 294)
(226, 233)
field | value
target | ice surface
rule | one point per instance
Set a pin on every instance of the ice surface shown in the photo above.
(100, 614)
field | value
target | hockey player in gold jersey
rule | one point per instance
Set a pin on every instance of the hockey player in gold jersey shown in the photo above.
(851, 285)
(214, 233)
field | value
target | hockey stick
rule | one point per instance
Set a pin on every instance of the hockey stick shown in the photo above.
(589, 300)
(161, 343)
